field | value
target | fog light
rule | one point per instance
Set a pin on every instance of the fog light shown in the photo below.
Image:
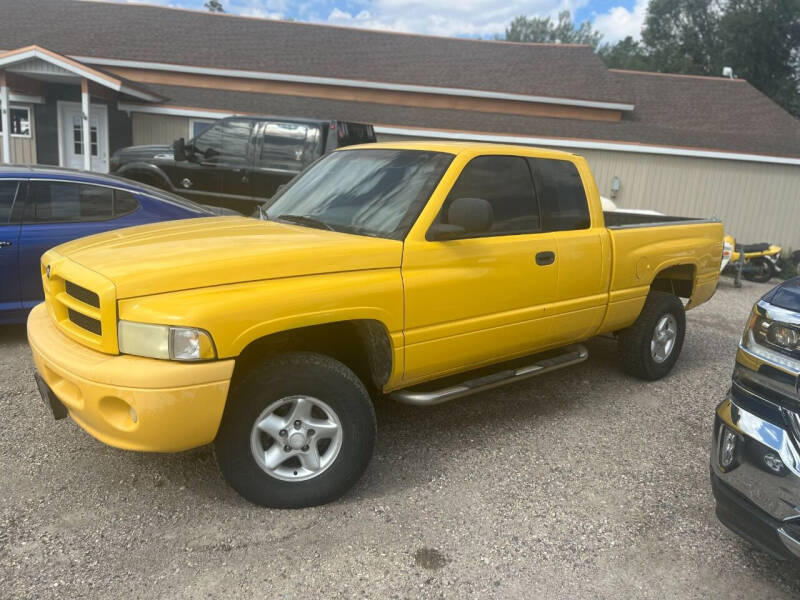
(727, 449)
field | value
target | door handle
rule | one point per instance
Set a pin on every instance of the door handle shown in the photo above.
(4, 244)
(545, 258)
(244, 173)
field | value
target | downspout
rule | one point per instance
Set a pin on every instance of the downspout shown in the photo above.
(5, 123)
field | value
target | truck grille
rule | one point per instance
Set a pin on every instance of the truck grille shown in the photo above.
(81, 302)
(81, 293)
(88, 323)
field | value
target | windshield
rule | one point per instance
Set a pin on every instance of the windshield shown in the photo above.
(368, 192)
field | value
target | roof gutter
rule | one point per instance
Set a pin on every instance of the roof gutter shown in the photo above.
(352, 83)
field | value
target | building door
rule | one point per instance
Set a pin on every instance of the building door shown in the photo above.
(71, 141)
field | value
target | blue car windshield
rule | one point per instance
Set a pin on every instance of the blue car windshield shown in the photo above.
(376, 192)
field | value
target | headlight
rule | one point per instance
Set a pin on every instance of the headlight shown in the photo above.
(773, 340)
(165, 341)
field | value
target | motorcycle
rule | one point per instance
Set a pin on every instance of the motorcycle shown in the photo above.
(758, 262)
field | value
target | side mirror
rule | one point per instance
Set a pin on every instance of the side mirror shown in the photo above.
(179, 149)
(465, 215)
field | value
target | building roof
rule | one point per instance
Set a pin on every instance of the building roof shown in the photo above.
(705, 113)
(157, 34)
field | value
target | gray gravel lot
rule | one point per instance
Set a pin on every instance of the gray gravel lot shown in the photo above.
(583, 483)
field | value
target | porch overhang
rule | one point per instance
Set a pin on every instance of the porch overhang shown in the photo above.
(29, 70)
(37, 63)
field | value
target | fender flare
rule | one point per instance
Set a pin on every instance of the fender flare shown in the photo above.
(143, 167)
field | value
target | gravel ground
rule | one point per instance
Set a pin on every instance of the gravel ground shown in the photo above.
(579, 484)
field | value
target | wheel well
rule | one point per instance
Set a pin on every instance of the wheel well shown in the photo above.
(677, 280)
(145, 177)
(363, 345)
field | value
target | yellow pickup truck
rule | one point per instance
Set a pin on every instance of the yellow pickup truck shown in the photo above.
(424, 271)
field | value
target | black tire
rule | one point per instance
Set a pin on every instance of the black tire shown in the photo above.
(634, 343)
(759, 270)
(287, 375)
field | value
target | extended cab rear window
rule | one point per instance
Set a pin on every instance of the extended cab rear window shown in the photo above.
(561, 194)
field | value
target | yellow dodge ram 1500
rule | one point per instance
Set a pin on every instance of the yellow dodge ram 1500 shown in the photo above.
(424, 271)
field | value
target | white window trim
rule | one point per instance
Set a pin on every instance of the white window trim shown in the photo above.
(194, 120)
(30, 128)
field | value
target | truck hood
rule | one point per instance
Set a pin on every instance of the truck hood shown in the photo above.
(137, 153)
(786, 295)
(204, 252)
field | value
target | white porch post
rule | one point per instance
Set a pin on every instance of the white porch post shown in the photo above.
(86, 133)
(6, 118)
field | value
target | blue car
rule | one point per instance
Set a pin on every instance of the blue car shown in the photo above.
(42, 207)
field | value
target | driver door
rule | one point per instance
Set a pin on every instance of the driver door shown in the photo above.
(482, 298)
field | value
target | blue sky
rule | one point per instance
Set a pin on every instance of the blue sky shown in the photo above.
(472, 18)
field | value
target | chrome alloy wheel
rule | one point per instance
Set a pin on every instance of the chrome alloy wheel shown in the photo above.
(296, 438)
(664, 336)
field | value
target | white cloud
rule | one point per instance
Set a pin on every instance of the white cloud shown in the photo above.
(266, 9)
(619, 22)
(476, 18)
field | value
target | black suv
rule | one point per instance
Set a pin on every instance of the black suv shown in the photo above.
(755, 453)
(238, 162)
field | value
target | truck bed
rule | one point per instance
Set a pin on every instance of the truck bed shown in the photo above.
(621, 219)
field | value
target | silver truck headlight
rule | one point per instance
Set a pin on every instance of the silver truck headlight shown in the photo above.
(165, 341)
(774, 340)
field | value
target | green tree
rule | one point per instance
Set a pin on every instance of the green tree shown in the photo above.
(625, 54)
(760, 40)
(214, 6)
(563, 31)
(682, 36)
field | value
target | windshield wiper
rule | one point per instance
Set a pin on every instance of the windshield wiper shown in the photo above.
(306, 220)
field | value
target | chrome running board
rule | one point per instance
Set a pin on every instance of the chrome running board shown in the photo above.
(570, 355)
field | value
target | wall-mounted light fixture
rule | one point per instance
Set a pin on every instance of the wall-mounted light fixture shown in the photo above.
(615, 185)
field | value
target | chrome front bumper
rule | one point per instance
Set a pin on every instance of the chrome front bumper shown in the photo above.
(759, 496)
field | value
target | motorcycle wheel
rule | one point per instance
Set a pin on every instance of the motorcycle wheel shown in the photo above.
(759, 270)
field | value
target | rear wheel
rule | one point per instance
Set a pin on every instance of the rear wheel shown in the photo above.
(758, 270)
(298, 431)
(650, 347)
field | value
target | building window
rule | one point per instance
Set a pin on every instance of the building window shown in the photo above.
(20, 119)
(77, 137)
(198, 126)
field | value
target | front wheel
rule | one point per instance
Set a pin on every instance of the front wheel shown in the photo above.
(649, 348)
(759, 270)
(297, 431)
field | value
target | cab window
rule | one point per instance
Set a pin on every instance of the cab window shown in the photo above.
(208, 145)
(561, 194)
(63, 202)
(505, 182)
(288, 146)
(226, 142)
